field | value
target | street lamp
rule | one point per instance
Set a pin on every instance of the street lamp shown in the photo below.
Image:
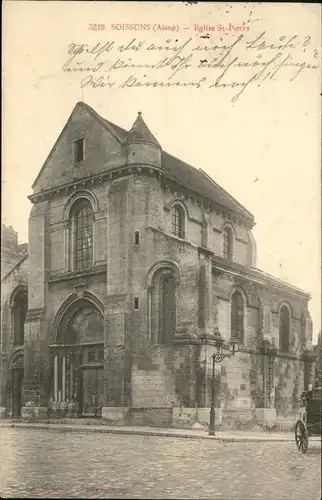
(217, 357)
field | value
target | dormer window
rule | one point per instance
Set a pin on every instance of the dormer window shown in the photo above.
(78, 151)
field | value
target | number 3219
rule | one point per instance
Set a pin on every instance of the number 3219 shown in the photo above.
(96, 27)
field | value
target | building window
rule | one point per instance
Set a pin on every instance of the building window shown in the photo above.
(162, 307)
(78, 151)
(237, 316)
(18, 312)
(178, 221)
(228, 243)
(136, 303)
(83, 235)
(167, 309)
(137, 237)
(284, 329)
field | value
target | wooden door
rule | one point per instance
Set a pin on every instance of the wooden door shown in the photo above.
(92, 391)
(17, 381)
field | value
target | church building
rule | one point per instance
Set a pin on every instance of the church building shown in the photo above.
(137, 263)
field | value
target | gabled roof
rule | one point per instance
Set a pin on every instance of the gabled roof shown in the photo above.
(201, 183)
(115, 130)
(174, 168)
(257, 274)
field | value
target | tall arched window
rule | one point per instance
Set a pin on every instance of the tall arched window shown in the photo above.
(228, 243)
(284, 329)
(237, 316)
(162, 299)
(19, 311)
(178, 221)
(167, 310)
(82, 215)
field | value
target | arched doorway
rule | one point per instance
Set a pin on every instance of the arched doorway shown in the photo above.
(78, 360)
(16, 384)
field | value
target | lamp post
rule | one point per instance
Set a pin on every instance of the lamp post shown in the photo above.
(218, 357)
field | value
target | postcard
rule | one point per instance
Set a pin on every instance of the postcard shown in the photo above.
(160, 250)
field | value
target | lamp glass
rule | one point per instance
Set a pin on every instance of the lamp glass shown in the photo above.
(218, 348)
(233, 345)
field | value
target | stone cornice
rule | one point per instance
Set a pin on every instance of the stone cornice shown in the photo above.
(124, 170)
(205, 251)
(73, 275)
(309, 355)
(92, 180)
(34, 315)
(210, 341)
(172, 236)
(58, 226)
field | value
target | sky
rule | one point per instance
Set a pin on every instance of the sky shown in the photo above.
(264, 148)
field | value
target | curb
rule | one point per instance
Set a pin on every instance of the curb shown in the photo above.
(104, 430)
(154, 433)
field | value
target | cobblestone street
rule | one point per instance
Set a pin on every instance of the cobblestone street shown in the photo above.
(41, 463)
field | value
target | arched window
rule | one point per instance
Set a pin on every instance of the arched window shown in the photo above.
(228, 243)
(18, 312)
(178, 228)
(237, 316)
(162, 301)
(167, 310)
(284, 329)
(82, 223)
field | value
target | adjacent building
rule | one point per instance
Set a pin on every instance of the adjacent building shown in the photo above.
(136, 260)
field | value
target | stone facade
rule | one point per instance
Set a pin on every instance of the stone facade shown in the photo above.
(135, 259)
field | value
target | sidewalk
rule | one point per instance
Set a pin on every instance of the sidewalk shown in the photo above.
(228, 436)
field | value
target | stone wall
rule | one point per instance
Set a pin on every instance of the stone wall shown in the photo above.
(195, 219)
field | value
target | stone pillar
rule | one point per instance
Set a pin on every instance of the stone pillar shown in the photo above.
(310, 359)
(266, 416)
(36, 354)
(205, 316)
(119, 229)
(4, 336)
(3, 385)
(205, 326)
